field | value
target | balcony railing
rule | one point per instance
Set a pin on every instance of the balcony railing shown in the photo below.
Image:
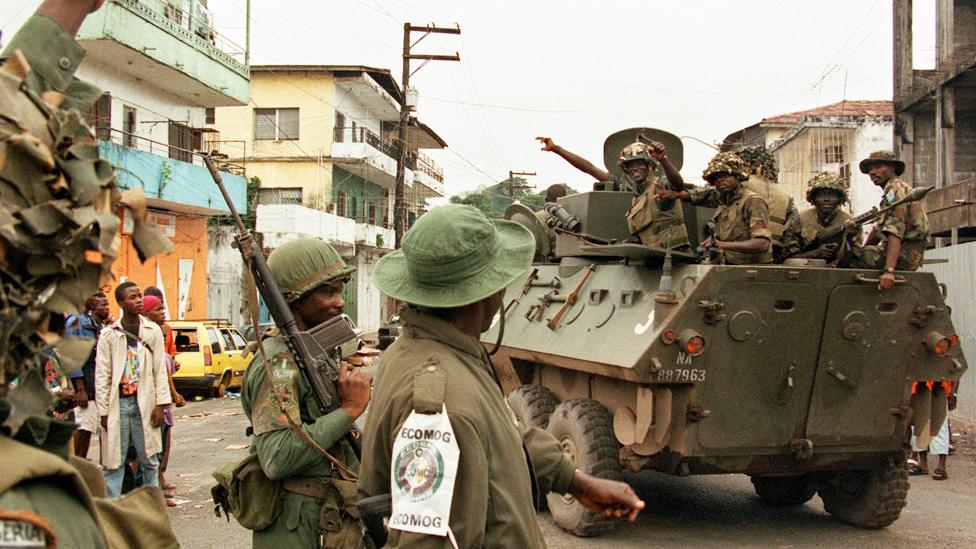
(139, 143)
(415, 162)
(191, 21)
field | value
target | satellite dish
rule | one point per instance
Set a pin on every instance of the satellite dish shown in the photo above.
(617, 141)
(521, 214)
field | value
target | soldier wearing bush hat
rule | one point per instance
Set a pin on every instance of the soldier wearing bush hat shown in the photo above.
(452, 272)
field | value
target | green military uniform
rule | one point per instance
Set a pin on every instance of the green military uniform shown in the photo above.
(780, 204)
(804, 229)
(653, 221)
(52, 180)
(284, 456)
(492, 505)
(741, 216)
(907, 222)
(543, 217)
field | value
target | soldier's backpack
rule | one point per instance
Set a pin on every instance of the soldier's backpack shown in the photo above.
(243, 490)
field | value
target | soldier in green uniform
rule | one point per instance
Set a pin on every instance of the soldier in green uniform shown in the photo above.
(826, 192)
(313, 513)
(899, 238)
(553, 193)
(452, 271)
(647, 169)
(58, 224)
(740, 226)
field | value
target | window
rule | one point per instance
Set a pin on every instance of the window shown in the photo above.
(275, 124)
(99, 117)
(845, 173)
(228, 341)
(239, 340)
(355, 136)
(128, 126)
(339, 134)
(180, 141)
(280, 195)
(372, 214)
(833, 154)
(186, 340)
(341, 204)
(174, 13)
(210, 115)
(214, 340)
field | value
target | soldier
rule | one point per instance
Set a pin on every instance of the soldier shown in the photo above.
(439, 418)
(553, 193)
(59, 206)
(311, 276)
(899, 238)
(740, 226)
(826, 192)
(652, 220)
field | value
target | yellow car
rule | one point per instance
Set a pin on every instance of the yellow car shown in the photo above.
(209, 353)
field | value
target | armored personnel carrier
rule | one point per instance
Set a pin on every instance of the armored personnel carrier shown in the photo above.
(805, 378)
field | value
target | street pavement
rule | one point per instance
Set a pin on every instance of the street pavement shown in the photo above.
(704, 511)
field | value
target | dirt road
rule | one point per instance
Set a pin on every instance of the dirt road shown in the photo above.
(715, 511)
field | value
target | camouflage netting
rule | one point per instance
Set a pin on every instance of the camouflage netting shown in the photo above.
(726, 162)
(58, 222)
(759, 161)
(826, 180)
(634, 151)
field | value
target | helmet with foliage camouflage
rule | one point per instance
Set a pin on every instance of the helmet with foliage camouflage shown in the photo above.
(58, 227)
(826, 180)
(634, 151)
(759, 161)
(726, 162)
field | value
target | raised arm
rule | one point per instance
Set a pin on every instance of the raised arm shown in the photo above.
(574, 159)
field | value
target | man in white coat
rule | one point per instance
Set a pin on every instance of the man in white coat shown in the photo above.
(131, 390)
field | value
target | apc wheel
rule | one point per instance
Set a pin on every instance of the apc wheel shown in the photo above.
(533, 405)
(869, 499)
(221, 389)
(789, 491)
(584, 429)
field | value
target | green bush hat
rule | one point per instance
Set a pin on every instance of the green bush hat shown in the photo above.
(454, 256)
(301, 265)
(882, 157)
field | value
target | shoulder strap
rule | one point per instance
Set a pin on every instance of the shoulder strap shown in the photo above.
(429, 385)
(119, 328)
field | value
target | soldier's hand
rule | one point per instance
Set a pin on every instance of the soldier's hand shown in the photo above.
(850, 228)
(660, 193)
(355, 386)
(657, 151)
(886, 281)
(827, 251)
(610, 498)
(547, 144)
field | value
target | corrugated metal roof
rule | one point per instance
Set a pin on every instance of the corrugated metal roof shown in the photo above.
(841, 108)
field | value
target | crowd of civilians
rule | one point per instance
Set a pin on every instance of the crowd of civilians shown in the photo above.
(124, 391)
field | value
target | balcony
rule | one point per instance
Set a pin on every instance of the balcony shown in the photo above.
(169, 182)
(171, 45)
(366, 154)
(374, 236)
(280, 223)
(952, 207)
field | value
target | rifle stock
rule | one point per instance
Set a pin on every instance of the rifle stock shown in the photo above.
(307, 348)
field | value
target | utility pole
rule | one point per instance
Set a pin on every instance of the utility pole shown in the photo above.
(399, 206)
(512, 188)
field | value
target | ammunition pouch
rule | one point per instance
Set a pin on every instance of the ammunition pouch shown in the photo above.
(339, 519)
(245, 491)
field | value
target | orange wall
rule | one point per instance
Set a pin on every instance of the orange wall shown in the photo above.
(190, 242)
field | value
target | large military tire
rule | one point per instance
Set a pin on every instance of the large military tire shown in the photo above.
(584, 429)
(533, 404)
(869, 499)
(789, 491)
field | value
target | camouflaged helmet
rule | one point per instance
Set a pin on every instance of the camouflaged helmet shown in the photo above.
(634, 151)
(301, 265)
(726, 162)
(759, 161)
(826, 180)
(58, 223)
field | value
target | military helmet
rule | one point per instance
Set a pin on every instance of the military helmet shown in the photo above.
(759, 161)
(827, 180)
(301, 265)
(726, 162)
(634, 151)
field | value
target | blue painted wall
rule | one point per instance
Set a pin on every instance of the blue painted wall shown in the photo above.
(173, 180)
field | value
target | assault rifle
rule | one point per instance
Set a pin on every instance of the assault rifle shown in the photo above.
(309, 348)
(917, 194)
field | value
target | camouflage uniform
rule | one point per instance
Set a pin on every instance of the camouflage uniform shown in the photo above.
(299, 267)
(907, 222)
(743, 215)
(58, 229)
(652, 220)
(804, 229)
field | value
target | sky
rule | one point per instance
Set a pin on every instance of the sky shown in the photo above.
(578, 71)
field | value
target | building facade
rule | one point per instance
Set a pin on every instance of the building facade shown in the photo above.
(832, 138)
(163, 70)
(322, 141)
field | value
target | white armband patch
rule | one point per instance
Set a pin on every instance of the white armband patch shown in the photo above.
(422, 474)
